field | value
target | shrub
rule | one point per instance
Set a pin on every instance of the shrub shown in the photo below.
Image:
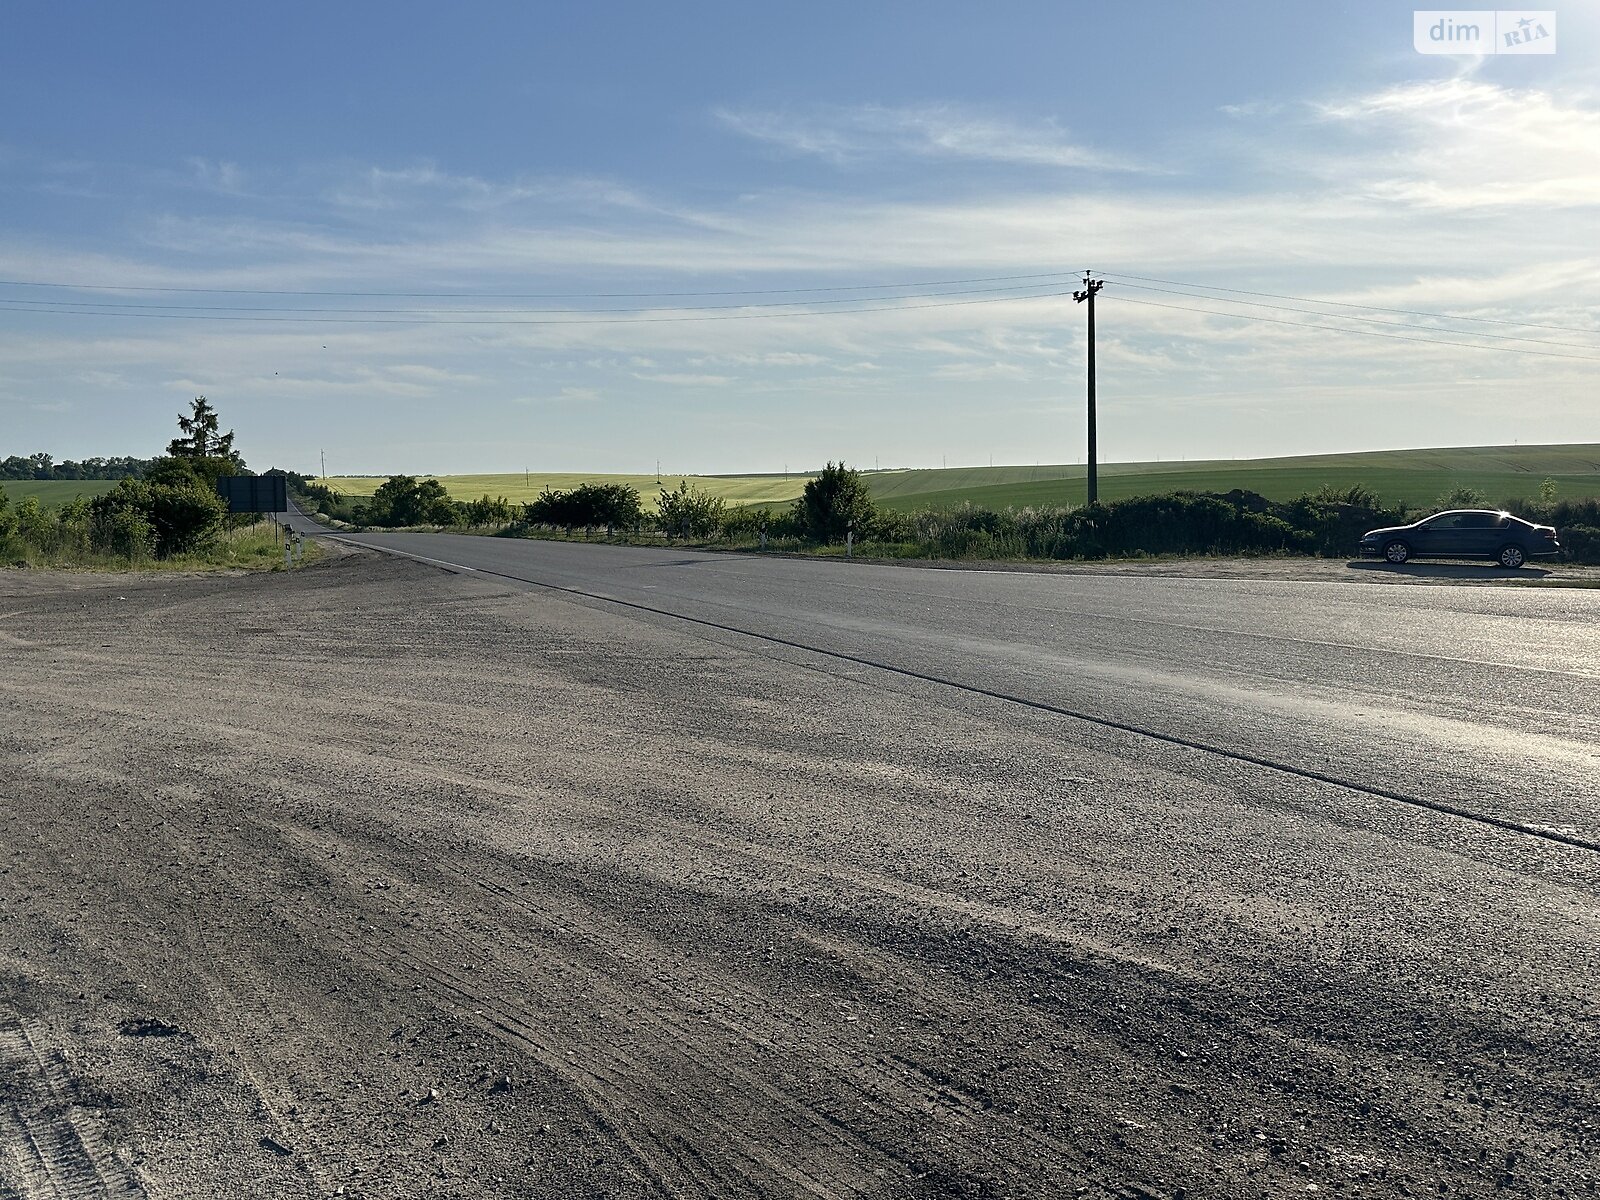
(745, 523)
(1580, 543)
(613, 505)
(126, 532)
(183, 517)
(486, 512)
(31, 522)
(688, 511)
(1355, 495)
(1462, 497)
(834, 503)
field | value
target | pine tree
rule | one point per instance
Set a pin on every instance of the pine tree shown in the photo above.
(202, 434)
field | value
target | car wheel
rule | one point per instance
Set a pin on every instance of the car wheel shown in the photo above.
(1397, 552)
(1511, 557)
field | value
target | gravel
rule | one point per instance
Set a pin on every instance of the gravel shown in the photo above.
(371, 880)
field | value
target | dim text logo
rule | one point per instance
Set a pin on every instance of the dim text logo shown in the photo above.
(1484, 31)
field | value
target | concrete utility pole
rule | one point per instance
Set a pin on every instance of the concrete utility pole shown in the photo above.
(1090, 287)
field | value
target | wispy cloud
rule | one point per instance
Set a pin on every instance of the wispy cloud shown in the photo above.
(1465, 144)
(872, 133)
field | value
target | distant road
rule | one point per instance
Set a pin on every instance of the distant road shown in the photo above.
(1482, 702)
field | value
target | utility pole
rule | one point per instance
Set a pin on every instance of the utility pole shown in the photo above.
(324, 474)
(1090, 287)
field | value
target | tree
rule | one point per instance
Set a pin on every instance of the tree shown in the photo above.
(406, 500)
(833, 503)
(202, 435)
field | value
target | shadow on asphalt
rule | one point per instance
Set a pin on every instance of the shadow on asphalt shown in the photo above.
(1444, 570)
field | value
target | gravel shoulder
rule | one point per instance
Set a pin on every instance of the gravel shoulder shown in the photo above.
(373, 880)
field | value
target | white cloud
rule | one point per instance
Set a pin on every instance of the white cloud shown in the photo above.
(1462, 144)
(874, 132)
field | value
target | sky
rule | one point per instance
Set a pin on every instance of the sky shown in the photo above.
(755, 237)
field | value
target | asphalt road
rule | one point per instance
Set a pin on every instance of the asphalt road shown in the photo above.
(1482, 701)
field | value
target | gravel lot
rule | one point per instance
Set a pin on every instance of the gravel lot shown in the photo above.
(372, 880)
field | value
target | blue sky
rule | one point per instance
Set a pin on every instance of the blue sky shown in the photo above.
(451, 171)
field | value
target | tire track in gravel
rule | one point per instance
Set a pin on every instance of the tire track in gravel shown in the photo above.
(621, 1085)
(46, 1151)
(621, 1088)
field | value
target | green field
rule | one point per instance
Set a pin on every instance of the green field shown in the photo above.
(1414, 477)
(736, 489)
(53, 493)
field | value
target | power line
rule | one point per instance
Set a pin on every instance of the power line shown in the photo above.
(422, 317)
(89, 308)
(735, 316)
(1408, 312)
(1359, 332)
(861, 287)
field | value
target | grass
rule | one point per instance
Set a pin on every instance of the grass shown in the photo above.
(54, 493)
(253, 548)
(1413, 477)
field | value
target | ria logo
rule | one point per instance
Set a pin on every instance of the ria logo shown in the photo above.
(1484, 31)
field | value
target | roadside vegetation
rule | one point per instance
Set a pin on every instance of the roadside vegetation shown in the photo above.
(166, 515)
(836, 511)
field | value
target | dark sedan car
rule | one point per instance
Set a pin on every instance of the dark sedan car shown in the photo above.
(1467, 533)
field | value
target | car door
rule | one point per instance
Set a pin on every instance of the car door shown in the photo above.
(1436, 536)
(1481, 534)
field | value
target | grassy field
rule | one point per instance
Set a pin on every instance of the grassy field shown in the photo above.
(53, 493)
(1414, 477)
(736, 489)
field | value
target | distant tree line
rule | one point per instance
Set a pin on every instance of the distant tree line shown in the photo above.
(42, 466)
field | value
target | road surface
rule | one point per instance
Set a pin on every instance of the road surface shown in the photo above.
(1482, 701)
(574, 871)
